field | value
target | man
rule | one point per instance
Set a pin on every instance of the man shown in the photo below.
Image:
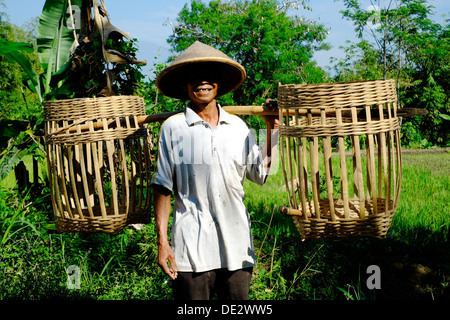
(203, 158)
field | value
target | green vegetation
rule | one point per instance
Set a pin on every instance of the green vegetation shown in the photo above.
(400, 40)
(424, 210)
(414, 259)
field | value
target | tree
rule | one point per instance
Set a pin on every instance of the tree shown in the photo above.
(412, 48)
(17, 42)
(271, 44)
(361, 62)
(390, 24)
(430, 88)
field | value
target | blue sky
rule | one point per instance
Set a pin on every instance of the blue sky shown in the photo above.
(145, 19)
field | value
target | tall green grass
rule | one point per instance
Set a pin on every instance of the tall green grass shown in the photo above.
(423, 212)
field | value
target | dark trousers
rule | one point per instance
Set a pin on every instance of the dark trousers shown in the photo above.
(228, 285)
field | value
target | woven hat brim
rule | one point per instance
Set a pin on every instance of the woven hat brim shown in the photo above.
(172, 80)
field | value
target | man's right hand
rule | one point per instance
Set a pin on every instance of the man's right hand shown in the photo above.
(166, 260)
(166, 256)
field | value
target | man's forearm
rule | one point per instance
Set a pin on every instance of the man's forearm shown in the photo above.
(161, 201)
(166, 256)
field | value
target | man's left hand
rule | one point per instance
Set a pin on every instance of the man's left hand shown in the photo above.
(272, 122)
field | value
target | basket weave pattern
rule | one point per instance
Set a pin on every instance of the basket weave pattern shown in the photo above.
(100, 176)
(335, 187)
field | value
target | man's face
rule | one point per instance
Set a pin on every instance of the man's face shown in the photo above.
(202, 86)
(202, 91)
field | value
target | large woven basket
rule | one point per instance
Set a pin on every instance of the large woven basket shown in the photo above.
(99, 163)
(341, 156)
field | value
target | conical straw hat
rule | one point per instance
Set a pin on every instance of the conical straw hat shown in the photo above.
(197, 58)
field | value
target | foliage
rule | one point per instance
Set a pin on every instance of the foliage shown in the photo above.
(271, 44)
(35, 258)
(13, 53)
(97, 62)
(361, 62)
(55, 42)
(10, 141)
(20, 111)
(431, 86)
(77, 45)
(401, 41)
(17, 44)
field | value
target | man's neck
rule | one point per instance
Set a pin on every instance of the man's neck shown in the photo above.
(208, 112)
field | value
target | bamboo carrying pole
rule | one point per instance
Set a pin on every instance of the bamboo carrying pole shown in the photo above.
(238, 110)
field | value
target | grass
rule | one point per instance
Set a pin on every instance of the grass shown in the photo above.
(423, 211)
(414, 258)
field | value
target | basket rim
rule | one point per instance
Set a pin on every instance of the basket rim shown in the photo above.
(92, 99)
(334, 84)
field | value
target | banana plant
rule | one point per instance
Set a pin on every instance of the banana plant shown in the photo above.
(13, 51)
(57, 31)
(57, 38)
(73, 35)
(16, 136)
(69, 31)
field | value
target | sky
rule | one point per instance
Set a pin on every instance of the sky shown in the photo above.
(145, 20)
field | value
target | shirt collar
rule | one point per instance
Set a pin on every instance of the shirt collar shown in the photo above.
(192, 118)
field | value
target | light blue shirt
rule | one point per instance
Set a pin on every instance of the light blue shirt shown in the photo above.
(206, 170)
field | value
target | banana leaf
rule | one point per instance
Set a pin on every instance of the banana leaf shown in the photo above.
(10, 158)
(13, 52)
(9, 129)
(7, 47)
(56, 35)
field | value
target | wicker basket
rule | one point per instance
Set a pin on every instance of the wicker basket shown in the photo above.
(99, 163)
(341, 157)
